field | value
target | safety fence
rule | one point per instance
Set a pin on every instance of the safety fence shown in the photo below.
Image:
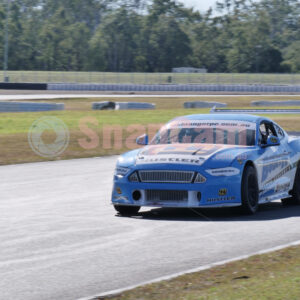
(176, 88)
(150, 78)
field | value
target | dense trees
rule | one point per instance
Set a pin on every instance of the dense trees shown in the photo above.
(152, 35)
(114, 45)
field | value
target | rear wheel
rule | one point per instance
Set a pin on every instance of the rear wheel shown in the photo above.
(127, 210)
(295, 199)
(249, 191)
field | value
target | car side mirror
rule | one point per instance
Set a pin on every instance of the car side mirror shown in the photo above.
(272, 141)
(142, 140)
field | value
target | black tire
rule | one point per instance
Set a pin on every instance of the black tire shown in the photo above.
(127, 210)
(295, 199)
(249, 191)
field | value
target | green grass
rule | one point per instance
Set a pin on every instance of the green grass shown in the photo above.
(151, 78)
(273, 276)
(14, 127)
(14, 123)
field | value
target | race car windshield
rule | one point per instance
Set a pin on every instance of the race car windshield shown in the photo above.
(240, 133)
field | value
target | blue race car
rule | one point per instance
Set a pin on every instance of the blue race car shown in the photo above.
(210, 161)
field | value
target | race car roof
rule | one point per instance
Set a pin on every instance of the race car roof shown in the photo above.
(233, 117)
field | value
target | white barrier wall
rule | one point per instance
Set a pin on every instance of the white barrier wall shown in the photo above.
(8, 106)
(203, 104)
(134, 105)
(276, 103)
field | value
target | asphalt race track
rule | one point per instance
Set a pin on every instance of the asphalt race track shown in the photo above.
(61, 239)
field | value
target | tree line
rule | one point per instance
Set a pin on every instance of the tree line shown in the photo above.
(151, 36)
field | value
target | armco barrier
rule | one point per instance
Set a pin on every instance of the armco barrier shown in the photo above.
(23, 86)
(276, 103)
(175, 87)
(203, 104)
(103, 105)
(122, 105)
(29, 106)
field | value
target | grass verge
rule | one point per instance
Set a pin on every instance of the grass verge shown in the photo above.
(275, 276)
(14, 127)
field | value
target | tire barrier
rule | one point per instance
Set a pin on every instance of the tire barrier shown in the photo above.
(203, 104)
(254, 111)
(24, 86)
(105, 105)
(175, 88)
(276, 103)
(29, 106)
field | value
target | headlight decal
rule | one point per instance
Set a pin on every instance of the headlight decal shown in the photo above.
(121, 171)
(223, 171)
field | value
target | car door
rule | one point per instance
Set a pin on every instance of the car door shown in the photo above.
(289, 172)
(273, 164)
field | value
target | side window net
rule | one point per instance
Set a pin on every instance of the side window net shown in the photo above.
(279, 131)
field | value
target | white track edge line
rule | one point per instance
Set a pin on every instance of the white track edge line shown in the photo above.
(198, 269)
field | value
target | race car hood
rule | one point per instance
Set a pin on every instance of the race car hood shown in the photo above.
(194, 154)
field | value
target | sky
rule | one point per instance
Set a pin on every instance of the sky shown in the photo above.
(202, 5)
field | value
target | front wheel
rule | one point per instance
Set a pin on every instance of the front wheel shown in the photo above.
(249, 191)
(295, 199)
(127, 210)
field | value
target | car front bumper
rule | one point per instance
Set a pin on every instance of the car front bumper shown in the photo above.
(218, 191)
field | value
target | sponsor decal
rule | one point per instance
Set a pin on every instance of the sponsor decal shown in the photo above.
(241, 159)
(170, 159)
(222, 192)
(273, 140)
(208, 123)
(282, 187)
(281, 173)
(223, 171)
(275, 156)
(219, 199)
(271, 167)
